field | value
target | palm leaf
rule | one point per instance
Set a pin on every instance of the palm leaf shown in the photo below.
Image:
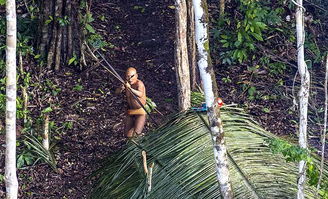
(40, 152)
(184, 162)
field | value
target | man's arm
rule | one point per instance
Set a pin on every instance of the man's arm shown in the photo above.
(119, 89)
(140, 91)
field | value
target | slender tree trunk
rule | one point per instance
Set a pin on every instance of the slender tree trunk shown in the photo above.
(303, 94)
(210, 90)
(323, 136)
(222, 7)
(192, 46)
(10, 167)
(45, 136)
(59, 36)
(24, 88)
(69, 31)
(181, 55)
(46, 13)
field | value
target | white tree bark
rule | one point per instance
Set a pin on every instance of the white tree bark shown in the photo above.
(181, 55)
(303, 94)
(213, 113)
(10, 164)
(45, 136)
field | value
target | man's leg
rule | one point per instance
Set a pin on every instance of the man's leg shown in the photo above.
(128, 126)
(139, 124)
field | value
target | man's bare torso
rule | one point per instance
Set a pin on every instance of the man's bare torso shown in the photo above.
(132, 102)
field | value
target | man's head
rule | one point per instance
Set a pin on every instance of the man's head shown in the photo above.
(131, 75)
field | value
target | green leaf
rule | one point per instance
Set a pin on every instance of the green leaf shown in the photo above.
(20, 161)
(226, 45)
(78, 87)
(90, 28)
(28, 158)
(47, 110)
(70, 61)
(2, 2)
(224, 36)
(257, 36)
(251, 91)
(2, 178)
(240, 37)
(37, 56)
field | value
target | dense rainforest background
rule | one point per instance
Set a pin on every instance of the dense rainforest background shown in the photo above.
(64, 86)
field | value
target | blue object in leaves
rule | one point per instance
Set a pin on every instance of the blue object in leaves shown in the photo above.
(200, 109)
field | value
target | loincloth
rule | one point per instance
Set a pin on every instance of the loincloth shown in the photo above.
(139, 111)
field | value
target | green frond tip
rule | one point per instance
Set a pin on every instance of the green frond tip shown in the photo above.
(184, 167)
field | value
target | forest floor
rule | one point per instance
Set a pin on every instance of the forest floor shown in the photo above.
(142, 34)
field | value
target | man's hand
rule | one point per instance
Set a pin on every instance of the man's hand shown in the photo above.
(127, 85)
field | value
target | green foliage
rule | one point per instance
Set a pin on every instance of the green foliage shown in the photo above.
(25, 158)
(51, 87)
(197, 98)
(47, 110)
(294, 153)
(251, 92)
(226, 79)
(254, 19)
(150, 105)
(274, 68)
(63, 21)
(35, 148)
(48, 21)
(97, 41)
(78, 87)
(291, 152)
(73, 60)
(92, 37)
(2, 178)
(2, 2)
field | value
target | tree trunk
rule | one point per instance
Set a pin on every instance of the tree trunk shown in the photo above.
(303, 94)
(45, 136)
(181, 55)
(57, 41)
(24, 88)
(192, 46)
(222, 7)
(323, 136)
(10, 164)
(210, 90)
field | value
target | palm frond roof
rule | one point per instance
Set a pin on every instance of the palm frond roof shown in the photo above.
(184, 166)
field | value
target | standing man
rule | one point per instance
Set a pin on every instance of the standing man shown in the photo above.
(136, 116)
